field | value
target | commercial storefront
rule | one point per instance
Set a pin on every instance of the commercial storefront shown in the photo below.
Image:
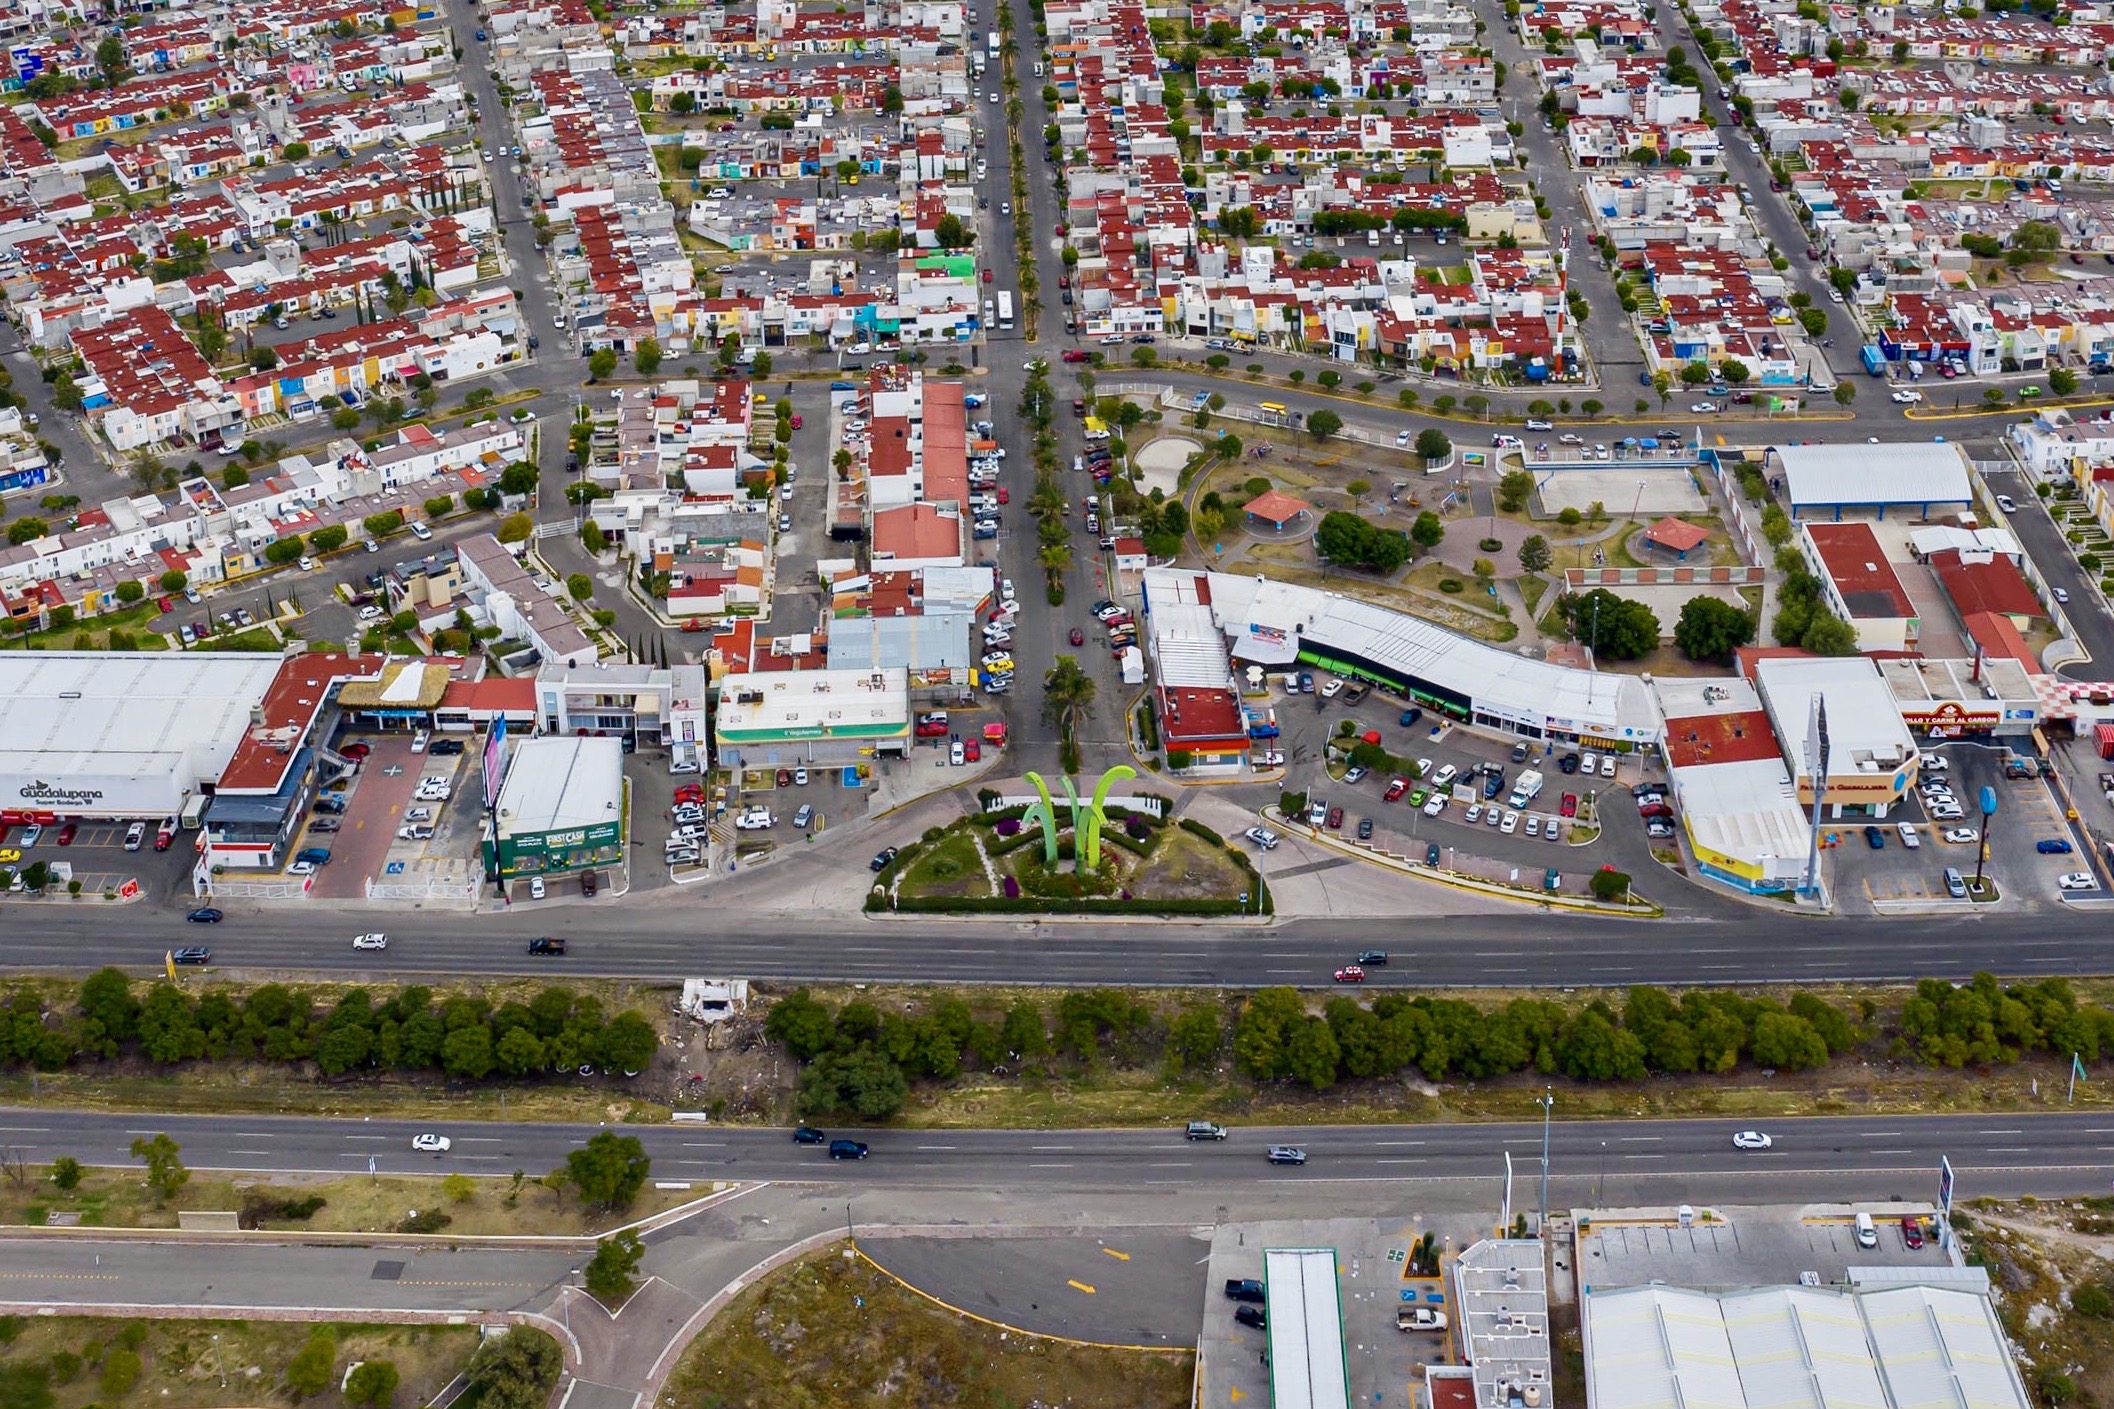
(561, 808)
(801, 718)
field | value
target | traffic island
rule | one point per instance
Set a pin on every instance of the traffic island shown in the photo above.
(1027, 858)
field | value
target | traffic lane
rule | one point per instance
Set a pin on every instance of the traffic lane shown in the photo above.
(2065, 1140)
(2090, 622)
(1469, 952)
(67, 1271)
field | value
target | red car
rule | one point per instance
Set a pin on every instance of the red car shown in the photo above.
(1073, 354)
(1912, 1232)
(987, 276)
(1335, 819)
(1570, 805)
(164, 837)
(356, 752)
(1350, 973)
(1078, 637)
(798, 422)
(1395, 790)
(972, 751)
(1003, 496)
(68, 832)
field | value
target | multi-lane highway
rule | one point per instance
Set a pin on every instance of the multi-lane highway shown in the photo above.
(1505, 950)
(2051, 1153)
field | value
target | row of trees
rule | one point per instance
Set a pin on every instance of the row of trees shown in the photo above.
(412, 1030)
(860, 1059)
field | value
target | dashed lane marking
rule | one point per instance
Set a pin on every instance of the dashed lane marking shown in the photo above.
(421, 1282)
(62, 1276)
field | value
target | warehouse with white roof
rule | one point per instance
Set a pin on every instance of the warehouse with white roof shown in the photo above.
(1878, 1347)
(1280, 624)
(1821, 481)
(88, 734)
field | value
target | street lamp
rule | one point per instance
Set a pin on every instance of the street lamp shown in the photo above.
(1548, 1103)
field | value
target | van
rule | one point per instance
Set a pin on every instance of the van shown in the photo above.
(1205, 1130)
(1867, 1235)
(1372, 239)
(1955, 885)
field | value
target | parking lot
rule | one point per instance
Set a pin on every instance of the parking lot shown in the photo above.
(364, 840)
(1745, 1247)
(95, 851)
(2028, 819)
(1474, 834)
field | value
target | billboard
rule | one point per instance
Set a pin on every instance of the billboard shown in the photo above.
(494, 758)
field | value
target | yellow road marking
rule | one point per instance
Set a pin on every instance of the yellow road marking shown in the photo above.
(414, 1282)
(1080, 1286)
(63, 1276)
(1238, 1395)
(1123, 1256)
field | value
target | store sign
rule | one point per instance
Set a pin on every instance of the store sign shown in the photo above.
(59, 797)
(1950, 715)
(601, 834)
(1270, 634)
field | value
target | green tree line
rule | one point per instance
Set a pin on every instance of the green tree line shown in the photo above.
(413, 1029)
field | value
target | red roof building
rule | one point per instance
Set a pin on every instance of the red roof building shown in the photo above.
(1986, 582)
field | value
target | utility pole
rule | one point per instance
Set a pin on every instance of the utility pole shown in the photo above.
(1548, 1100)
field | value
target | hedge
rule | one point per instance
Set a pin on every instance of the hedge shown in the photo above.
(1051, 905)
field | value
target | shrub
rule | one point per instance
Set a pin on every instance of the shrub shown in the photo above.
(1449, 584)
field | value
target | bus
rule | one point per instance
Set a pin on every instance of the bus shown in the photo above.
(1005, 309)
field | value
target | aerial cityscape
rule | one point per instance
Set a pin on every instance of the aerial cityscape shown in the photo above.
(1348, 702)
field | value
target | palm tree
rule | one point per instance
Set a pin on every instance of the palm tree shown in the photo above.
(1067, 695)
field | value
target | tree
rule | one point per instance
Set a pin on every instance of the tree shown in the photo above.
(309, 1371)
(1067, 695)
(601, 363)
(112, 1012)
(281, 551)
(373, 1382)
(1612, 627)
(1845, 393)
(175, 580)
(1196, 1034)
(1513, 489)
(1432, 444)
(1829, 635)
(66, 1173)
(1323, 424)
(165, 1172)
(592, 538)
(1535, 554)
(514, 1371)
(26, 530)
(115, 63)
(609, 1170)
(646, 357)
(609, 1272)
(2062, 381)
(515, 528)
(579, 586)
(1711, 629)
(1350, 540)
(1427, 531)
(329, 538)
(865, 1082)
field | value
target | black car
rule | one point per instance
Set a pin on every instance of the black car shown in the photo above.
(204, 915)
(847, 1149)
(1371, 958)
(1568, 763)
(881, 859)
(1244, 1289)
(546, 946)
(193, 954)
(445, 747)
(330, 806)
(1365, 829)
(808, 1135)
(1252, 1316)
(1640, 790)
(1875, 839)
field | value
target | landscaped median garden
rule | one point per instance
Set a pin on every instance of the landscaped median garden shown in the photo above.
(997, 861)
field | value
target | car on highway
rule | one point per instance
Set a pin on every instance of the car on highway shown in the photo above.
(1374, 957)
(881, 859)
(370, 941)
(1350, 973)
(847, 1149)
(547, 946)
(192, 954)
(1751, 1140)
(809, 1135)
(2078, 880)
(1287, 1154)
(1253, 1316)
(2052, 846)
(203, 915)
(429, 1143)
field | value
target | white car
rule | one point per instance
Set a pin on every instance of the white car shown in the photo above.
(2078, 880)
(1435, 805)
(1534, 826)
(1445, 776)
(2004, 502)
(1607, 765)
(1402, 438)
(1909, 837)
(1494, 816)
(1962, 835)
(2061, 595)
(370, 941)
(755, 819)
(302, 868)
(1933, 762)
(1703, 408)
(430, 1143)
(1907, 398)
(1474, 814)
(956, 754)
(1510, 824)
(1005, 590)
(1750, 1140)
(1332, 689)
(1262, 837)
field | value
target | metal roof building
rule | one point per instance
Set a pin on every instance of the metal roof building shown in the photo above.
(1659, 1347)
(1917, 474)
(1308, 1369)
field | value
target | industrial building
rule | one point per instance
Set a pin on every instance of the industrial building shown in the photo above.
(561, 808)
(1822, 481)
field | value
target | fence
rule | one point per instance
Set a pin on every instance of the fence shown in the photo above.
(558, 528)
(1585, 579)
(462, 892)
(1149, 805)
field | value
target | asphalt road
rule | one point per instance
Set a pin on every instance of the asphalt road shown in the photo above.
(1463, 951)
(2063, 1152)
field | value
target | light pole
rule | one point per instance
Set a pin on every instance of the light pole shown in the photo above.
(565, 1301)
(1548, 1101)
(1600, 1190)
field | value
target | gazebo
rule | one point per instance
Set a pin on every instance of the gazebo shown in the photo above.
(1677, 536)
(1276, 509)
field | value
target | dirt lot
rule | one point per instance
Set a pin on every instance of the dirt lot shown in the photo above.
(2052, 1266)
(831, 1330)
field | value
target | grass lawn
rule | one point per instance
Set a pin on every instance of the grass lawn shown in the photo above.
(837, 1331)
(1186, 867)
(60, 638)
(204, 1364)
(119, 1198)
(949, 866)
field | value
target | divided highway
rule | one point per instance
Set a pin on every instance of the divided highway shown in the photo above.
(2051, 1154)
